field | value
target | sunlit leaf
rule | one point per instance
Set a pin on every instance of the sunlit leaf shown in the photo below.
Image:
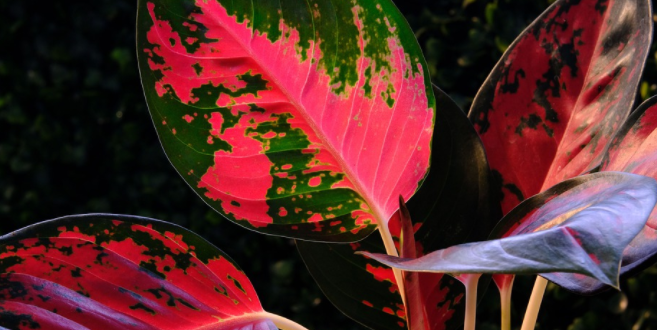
(121, 272)
(298, 118)
(559, 93)
(581, 225)
(450, 208)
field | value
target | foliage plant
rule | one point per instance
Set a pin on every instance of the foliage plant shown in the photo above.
(317, 120)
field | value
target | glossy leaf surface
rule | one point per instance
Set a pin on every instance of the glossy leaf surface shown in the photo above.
(298, 118)
(450, 208)
(121, 272)
(559, 93)
(581, 225)
(633, 150)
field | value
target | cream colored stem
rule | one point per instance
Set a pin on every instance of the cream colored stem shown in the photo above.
(471, 301)
(285, 324)
(392, 251)
(529, 323)
(505, 303)
(237, 321)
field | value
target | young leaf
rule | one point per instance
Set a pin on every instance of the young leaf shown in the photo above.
(289, 117)
(581, 225)
(559, 93)
(121, 272)
(633, 150)
(416, 315)
(450, 208)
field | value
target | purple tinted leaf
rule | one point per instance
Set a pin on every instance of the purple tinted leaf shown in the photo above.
(581, 225)
(633, 150)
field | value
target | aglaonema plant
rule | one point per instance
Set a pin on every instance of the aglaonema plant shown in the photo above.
(316, 120)
(123, 272)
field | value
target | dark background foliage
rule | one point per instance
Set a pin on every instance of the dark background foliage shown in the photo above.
(76, 137)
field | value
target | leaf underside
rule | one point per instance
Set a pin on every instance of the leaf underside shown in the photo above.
(633, 150)
(121, 272)
(297, 118)
(561, 90)
(581, 225)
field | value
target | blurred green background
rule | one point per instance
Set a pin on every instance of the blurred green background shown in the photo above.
(76, 137)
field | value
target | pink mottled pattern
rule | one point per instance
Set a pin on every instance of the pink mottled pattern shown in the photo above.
(384, 151)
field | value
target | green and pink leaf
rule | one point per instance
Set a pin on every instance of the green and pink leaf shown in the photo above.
(300, 119)
(450, 208)
(121, 272)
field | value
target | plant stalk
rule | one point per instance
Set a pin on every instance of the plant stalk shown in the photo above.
(283, 323)
(239, 321)
(470, 281)
(505, 304)
(392, 251)
(529, 322)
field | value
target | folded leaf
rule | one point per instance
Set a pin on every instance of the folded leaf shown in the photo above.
(450, 208)
(121, 272)
(633, 150)
(559, 93)
(581, 225)
(291, 118)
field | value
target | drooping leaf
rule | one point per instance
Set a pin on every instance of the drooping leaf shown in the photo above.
(121, 272)
(450, 208)
(633, 150)
(581, 226)
(298, 118)
(559, 93)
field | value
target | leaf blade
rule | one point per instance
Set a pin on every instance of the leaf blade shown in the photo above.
(549, 107)
(125, 272)
(276, 127)
(632, 150)
(583, 229)
(450, 208)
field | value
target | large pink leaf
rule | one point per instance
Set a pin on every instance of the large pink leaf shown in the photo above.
(297, 118)
(450, 208)
(121, 272)
(559, 93)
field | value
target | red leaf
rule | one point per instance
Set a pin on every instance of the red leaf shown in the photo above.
(559, 93)
(119, 272)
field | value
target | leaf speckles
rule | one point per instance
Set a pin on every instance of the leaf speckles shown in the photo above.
(289, 93)
(140, 273)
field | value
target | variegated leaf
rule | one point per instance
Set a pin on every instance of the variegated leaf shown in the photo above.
(450, 208)
(121, 272)
(560, 92)
(298, 118)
